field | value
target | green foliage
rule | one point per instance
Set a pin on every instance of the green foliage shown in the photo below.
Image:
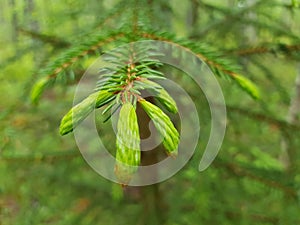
(56, 68)
(38, 89)
(131, 68)
(120, 83)
(217, 62)
(295, 3)
(128, 155)
(247, 85)
(80, 111)
(164, 126)
(44, 179)
(161, 94)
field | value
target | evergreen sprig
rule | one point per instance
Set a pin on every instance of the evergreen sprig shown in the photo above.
(56, 67)
(220, 65)
(130, 70)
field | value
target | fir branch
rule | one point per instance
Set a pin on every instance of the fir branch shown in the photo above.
(68, 58)
(268, 48)
(240, 170)
(230, 16)
(234, 215)
(233, 17)
(75, 53)
(276, 82)
(219, 65)
(43, 157)
(262, 117)
(53, 40)
(276, 30)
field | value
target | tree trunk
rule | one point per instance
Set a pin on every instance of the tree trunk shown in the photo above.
(151, 198)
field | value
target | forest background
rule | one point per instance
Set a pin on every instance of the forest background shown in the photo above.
(255, 178)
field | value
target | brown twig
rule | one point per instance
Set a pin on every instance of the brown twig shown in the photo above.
(201, 56)
(264, 50)
(82, 54)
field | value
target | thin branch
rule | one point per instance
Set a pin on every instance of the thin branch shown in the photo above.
(229, 17)
(67, 63)
(44, 157)
(240, 171)
(218, 64)
(234, 215)
(53, 40)
(263, 118)
(271, 77)
(278, 48)
(201, 56)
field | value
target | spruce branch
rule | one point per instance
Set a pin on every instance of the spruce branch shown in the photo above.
(217, 62)
(267, 48)
(271, 77)
(129, 70)
(53, 40)
(262, 118)
(44, 157)
(231, 18)
(246, 171)
(275, 29)
(67, 59)
(256, 218)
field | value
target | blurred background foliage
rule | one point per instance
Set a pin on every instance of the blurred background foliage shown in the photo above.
(255, 178)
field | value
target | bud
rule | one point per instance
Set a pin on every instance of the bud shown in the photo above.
(164, 126)
(248, 86)
(80, 111)
(128, 154)
(162, 95)
(38, 89)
